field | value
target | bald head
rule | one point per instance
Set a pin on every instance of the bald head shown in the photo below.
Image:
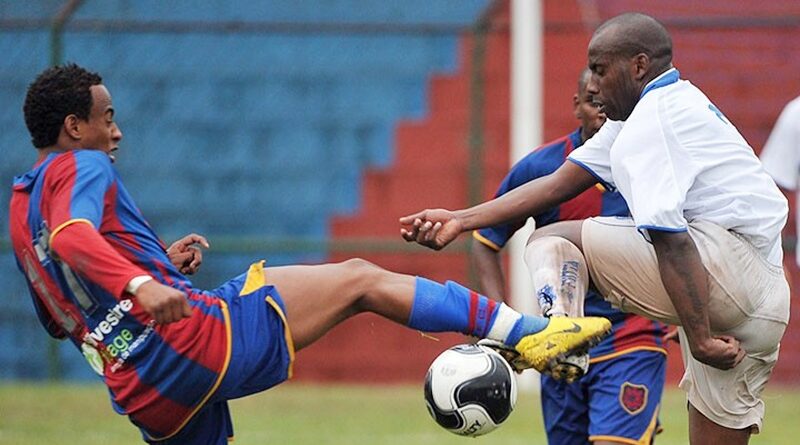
(626, 53)
(630, 34)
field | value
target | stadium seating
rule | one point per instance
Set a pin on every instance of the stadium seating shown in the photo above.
(230, 134)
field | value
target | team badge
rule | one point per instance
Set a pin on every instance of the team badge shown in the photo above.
(633, 398)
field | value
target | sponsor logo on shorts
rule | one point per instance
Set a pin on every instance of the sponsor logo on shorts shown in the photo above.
(632, 397)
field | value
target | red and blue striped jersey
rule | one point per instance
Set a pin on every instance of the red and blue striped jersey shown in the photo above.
(630, 331)
(79, 239)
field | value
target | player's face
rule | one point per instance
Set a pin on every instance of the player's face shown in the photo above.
(100, 132)
(588, 112)
(612, 84)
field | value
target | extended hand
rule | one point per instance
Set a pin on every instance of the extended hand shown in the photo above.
(185, 255)
(163, 303)
(722, 352)
(432, 228)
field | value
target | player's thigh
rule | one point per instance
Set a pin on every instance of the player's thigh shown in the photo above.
(569, 230)
(624, 267)
(625, 396)
(314, 295)
(317, 297)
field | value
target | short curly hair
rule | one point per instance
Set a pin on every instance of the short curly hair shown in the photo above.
(55, 94)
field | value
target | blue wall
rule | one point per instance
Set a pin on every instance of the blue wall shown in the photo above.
(246, 134)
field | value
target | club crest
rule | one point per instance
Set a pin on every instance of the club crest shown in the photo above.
(633, 398)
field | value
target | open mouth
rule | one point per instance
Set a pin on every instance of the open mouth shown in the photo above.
(111, 154)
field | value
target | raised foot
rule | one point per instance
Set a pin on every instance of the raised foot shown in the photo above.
(563, 337)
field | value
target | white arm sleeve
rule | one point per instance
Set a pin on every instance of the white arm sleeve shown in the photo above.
(593, 155)
(781, 154)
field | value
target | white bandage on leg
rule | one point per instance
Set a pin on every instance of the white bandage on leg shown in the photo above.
(559, 275)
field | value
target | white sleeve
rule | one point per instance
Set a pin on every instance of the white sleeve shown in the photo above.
(593, 155)
(654, 172)
(781, 154)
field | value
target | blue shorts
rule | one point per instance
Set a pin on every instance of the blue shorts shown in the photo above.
(262, 355)
(617, 400)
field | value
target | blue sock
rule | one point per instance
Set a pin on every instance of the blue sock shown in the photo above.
(526, 325)
(452, 307)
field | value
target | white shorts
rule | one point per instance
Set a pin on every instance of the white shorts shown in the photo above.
(754, 310)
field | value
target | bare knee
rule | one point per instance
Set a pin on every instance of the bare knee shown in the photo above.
(360, 274)
(373, 288)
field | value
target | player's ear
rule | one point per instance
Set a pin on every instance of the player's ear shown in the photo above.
(575, 102)
(640, 65)
(72, 126)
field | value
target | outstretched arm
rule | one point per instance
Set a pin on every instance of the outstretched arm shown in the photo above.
(686, 282)
(438, 227)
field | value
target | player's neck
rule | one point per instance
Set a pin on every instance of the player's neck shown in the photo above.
(47, 151)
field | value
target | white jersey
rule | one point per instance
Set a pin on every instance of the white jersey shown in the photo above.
(677, 159)
(781, 154)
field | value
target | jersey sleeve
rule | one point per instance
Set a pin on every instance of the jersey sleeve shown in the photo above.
(594, 155)
(781, 154)
(75, 188)
(524, 171)
(87, 253)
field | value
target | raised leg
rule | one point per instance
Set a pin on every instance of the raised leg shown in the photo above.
(558, 274)
(319, 297)
(560, 281)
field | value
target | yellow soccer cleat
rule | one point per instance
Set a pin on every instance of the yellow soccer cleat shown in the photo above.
(562, 336)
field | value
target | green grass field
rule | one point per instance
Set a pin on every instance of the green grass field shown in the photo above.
(295, 414)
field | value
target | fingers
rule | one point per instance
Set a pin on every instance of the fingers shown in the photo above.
(182, 244)
(163, 303)
(411, 233)
(180, 258)
(739, 357)
(197, 259)
(734, 348)
(424, 233)
(194, 238)
(175, 309)
(410, 219)
(185, 255)
(194, 261)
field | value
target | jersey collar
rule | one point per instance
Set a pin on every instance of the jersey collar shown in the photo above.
(668, 77)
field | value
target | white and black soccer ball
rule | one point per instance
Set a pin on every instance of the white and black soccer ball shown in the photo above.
(470, 390)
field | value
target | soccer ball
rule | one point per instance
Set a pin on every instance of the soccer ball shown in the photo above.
(470, 390)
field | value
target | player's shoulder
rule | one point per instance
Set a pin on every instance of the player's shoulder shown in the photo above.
(557, 145)
(555, 150)
(81, 162)
(84, 158)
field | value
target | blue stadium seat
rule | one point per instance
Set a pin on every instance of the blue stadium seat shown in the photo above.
(250, 134)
